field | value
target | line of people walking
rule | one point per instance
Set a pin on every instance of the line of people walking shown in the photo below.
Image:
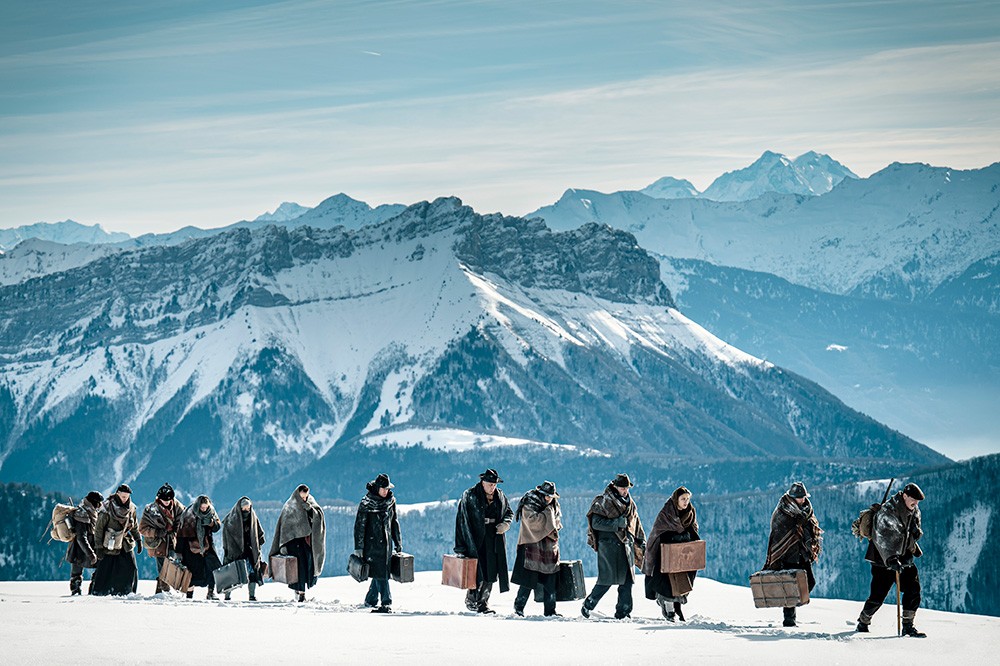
(107, 534)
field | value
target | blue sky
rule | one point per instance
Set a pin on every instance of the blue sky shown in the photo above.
(147, 116)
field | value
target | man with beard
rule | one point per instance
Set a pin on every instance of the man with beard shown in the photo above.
(615, 532)
(893, 545)
(376, 534)
(116, 532)
(81, 552)
(484, 515)
(796, 538)
(537, 561)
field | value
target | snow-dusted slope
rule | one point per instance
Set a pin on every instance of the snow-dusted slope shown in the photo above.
(898, 234)
(260, 350)
(808, 174)
(34, 257)
(430, 626)
(66, 232)
(670, 188)
(283, 213)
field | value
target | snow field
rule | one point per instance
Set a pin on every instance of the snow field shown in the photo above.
(39, 621)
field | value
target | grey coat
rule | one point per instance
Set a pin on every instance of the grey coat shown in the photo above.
(895, 532)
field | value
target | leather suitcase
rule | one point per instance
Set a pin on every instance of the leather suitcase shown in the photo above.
(285, 569)
(358, 568)
(175, 575)
(401, 567)
(231, 576)
(570, 585)
(780, 589)
(680, 557)
(459, 572)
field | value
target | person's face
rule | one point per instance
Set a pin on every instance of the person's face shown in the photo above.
(800, 500)
(489, 487)
(123, 497)
(246, 509)
(304, 494)
(548, 499)
(683, 502)
(911, 503)
(622, 490)
(204, 506)
(383, 492)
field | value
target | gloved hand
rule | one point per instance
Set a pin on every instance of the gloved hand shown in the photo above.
(397, 548)
(359, 552)
(93, 560)
(138, 545)
(490, 521)
(502, 527)
(894, 564)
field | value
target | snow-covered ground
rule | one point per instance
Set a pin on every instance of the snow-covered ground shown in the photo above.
(40, 623)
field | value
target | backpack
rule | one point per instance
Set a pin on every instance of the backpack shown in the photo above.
(62, 522)
(865, 522)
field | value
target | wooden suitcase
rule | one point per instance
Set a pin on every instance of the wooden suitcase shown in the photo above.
(459, 572)
(780, 589)
(679, 557)
(570, 585)
(231, 576)
(401, 567)
(175, 575)
(285, 569)
(358, 568)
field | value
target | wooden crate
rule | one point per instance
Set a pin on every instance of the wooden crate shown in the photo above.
(285, 569)
(175, 575)
(679, 557)
(780, 589)
(459, 572)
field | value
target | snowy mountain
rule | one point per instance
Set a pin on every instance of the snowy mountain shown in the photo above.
(670, 188)
(429, 625)
(283, 213)
(808, 174)
(66, 232)
(341, 209)
(228, 362)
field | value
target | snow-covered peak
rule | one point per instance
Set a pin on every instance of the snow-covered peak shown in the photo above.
(822, 172)
(66, 232)
(670, 188)
(771, 172)
(283, 213)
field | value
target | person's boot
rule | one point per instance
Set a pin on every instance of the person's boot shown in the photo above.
(228, 596)
(908, 628)
(668, 614)
(211, 595)
(302, 597)
(485, 609)
(190, 594)
(75, 586)
(789, 617)
(518, 610)
(862, 628)
(678, 611)
(585, 608)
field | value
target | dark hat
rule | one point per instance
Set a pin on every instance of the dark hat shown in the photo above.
(797, 490)
(166, 492)
(622, 481)
(95, 498)
(302, 487)
(124, 489)
(382, 481)
(914, 491)
(491, 476)
(547, 488)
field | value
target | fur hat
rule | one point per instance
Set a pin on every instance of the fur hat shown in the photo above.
(124, 489)
(382, 481)
(491, 476)
(165, 493)
(547, 488)
(797, 490)
(94, 498)
(622, 481)
(914, 491)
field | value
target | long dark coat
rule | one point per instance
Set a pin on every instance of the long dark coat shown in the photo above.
(474, 538)
(376, 529)
(81, 550)
(116, 572)
(203, 563)
(616, 544)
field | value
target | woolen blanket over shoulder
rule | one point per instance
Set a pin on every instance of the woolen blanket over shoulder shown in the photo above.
(300, 519)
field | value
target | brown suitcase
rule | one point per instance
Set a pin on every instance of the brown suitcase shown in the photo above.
(175, 575)
(779, 589)
(459, 572)
(680, 583)
(678, 557)
(285, 569)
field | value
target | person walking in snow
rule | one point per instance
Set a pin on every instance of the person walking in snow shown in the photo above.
(376, 535)
(484, 516)
(242, 537)
(891, 549)
(615, 532)
(82, 552)
(796, 538)
(158, 527)
(116, 532)
(301, 533)
(537, 561)
(676, 523)
(196, 545)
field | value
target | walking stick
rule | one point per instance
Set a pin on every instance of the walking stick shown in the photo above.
(899, 621)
